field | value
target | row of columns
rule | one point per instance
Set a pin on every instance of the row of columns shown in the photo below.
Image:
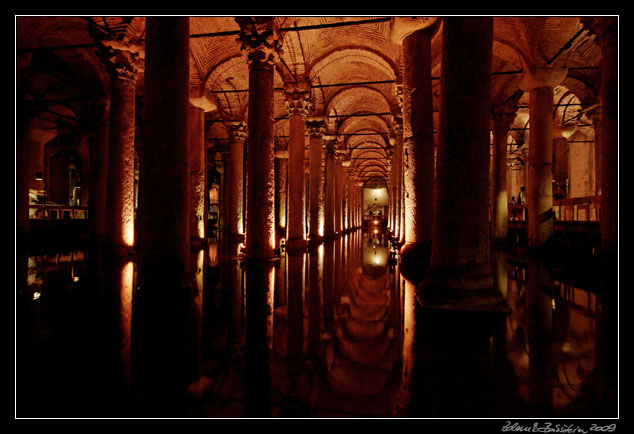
(445, 228)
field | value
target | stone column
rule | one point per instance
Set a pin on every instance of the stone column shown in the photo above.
(540, 82)
(501, 125)
(197, 214)
(120, 201)
(199, 195)
(164, 296)
(281, 177)
(418, 148)
(316, 128)
(260, 42)
(39, 131)
(235, 179)
(337, 194)
(329, 197)
(298, 106)
(459, 269)
(351, 199)
(99, 170)
(606, 30)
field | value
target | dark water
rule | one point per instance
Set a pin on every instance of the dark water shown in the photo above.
(336, 332)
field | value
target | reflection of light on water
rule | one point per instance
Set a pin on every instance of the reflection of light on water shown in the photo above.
(213, 254)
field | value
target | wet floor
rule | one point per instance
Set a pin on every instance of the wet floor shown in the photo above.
(335, 332)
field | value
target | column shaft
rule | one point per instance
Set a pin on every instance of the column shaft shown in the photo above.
(329, 199)
(99, 179)
(418, 144)
(460, 256)
(316, 179)
(260, 224)
(197, 215)
(235, 180)
(163, 302)
(500, 191)
(120, 200)
(296, 187)
(338, 182)
(540, 158)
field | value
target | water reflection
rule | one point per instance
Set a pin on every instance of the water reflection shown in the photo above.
(334, 332)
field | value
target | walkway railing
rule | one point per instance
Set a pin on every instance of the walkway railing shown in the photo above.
(57, 212)
(586, 208)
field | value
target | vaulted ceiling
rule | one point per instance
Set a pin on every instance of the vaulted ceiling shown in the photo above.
(353, 66)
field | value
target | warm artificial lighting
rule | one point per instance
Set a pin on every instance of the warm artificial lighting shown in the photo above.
(201, 229)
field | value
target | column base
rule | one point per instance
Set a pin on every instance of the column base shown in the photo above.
(296, 246)
(413, 260)
(500, 243)
(196, 242)
(315, 240)
(466, 288)
(236, 237)
(332, 236)
(436, 296)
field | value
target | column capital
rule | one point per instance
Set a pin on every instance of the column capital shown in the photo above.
(280, 147)
(536, 77)
(121, 64)
(298, 99)
(316, 126)
(397, 125)
(260, 39)
(238, 131)
(402, 27)
(502, 120)
(398, 91)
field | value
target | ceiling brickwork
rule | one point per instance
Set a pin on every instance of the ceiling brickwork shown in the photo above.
(353, 65)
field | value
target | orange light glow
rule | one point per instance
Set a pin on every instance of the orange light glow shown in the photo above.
(128, 232)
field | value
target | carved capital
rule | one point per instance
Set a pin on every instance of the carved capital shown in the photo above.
(298, 99)
(239, 131)
(397, 126)
(260, 40)
(502, 121)
(536, 77)
(399, 96)
(316, 127)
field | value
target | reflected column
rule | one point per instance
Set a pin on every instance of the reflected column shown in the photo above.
(315, 288)
(402, 399)
(296, 279)
(540, 337)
